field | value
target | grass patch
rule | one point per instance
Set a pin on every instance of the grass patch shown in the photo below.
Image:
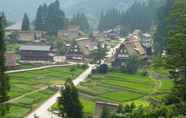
(166, 85)
(118, 87)
(20, 108)
(25, 82)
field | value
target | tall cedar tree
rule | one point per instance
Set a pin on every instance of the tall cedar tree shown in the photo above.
(177, 50)
(25, 23)
(4, 81)
(4, 20)
(160, 42)
(99, 53)
(138, 16)
(81, 20)
(41, 18)
(50, 18)
(70, 101)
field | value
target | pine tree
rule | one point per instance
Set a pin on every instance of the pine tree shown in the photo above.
(56, 18)
(4, 20)
(70, 101)
(160, 42)
(81, 20)
(50, 18)
(41, 18)
(177, 50)
(25, 23)
(4, 81)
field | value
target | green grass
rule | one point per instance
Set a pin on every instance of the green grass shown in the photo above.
(122, 96)
(88, 105)
(123, 88)
(20, 108)
(118, 87)
(25, 82)
(166, 85)
(160, 70)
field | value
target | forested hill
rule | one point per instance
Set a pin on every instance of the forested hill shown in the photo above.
(15, 9)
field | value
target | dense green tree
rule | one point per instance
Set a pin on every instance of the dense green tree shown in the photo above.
(50, 18)
(105, 113)
(103, 68)
(60, 44)
(4, 81)
(4, 20)
(139, 16)
(41, 18)
(110, 19)
(81, 20)
(56, 18)
(25, 23)
(99, 54)
(132, 64)
(160, 42)
(70, 101)
(176, 51)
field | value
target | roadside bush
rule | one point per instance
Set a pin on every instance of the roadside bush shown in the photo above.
(131, 66)
(103, 68)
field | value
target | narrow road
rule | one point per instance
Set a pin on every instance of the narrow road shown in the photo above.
(43, 110)
(39, 68)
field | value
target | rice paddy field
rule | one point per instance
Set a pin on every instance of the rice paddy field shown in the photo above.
(26, 82)
(121, 88)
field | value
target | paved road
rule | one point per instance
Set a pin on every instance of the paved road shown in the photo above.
(39, 68)
(42, 111)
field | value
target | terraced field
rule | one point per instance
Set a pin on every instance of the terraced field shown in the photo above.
(24, 83)
(122, 88)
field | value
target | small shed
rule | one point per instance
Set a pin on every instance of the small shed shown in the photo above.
(10, 59)
(100, 105)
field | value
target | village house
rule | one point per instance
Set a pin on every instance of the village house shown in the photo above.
(147, 43)
(71, 32)
(131, 47)
(73, 52)
(31, 36)
(82, 49)
(36, 53)
(14, 28)
(134, 47)
(87, 45)
(120, 57)
(10, 60)
(112, 34)
(101, 105)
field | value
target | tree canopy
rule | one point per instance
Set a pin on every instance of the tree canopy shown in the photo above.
(4, 81)
(25, 23)
(50, 18)
(139, 16)
(70, 101)
(81, 20)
